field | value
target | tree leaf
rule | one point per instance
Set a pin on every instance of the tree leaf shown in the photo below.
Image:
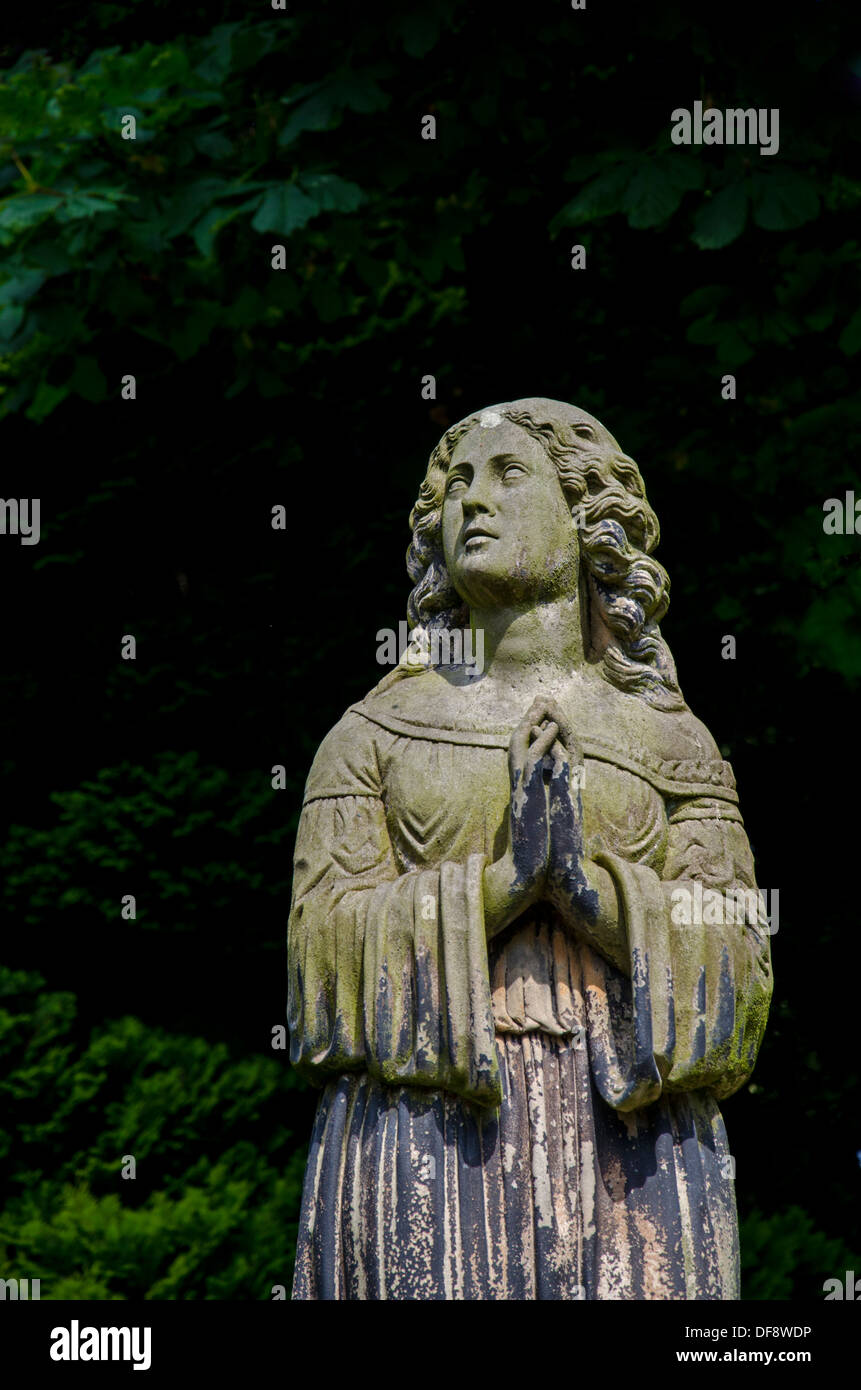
(88, 380)
(285, 209)
(603, 196)
(317, 113)
(215, 66)
(657, 188)
(721, 219)
(26, 209)
(703, 300)
(419, 32)
(783, 199)
(46, 400)
(331, 193)
(359, 91)
(21, 286)
(11, 316)
(77, 205)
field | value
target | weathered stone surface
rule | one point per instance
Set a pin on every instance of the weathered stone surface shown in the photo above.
(521, 1042)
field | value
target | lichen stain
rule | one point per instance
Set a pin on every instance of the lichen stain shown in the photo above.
(656, 1282)
(587, 1188)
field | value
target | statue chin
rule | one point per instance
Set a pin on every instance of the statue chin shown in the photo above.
(484, 583)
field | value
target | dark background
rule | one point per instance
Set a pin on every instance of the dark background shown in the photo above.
(405, 257)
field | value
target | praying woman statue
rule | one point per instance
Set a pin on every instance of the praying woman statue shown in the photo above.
(521, 1031)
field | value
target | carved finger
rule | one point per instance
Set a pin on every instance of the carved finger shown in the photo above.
(540, 748)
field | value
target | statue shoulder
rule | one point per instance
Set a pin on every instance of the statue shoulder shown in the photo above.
(346, 763)
(348, 759)
(420, 696)
(666, 736)
(686, 736)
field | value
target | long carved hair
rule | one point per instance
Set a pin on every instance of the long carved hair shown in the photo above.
(617, 532)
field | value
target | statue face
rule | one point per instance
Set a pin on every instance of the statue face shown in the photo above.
(507, 532)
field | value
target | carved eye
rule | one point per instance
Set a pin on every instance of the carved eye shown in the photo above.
(453, 483)
(584, 431)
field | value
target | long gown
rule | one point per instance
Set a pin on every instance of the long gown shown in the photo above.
(516, 1119)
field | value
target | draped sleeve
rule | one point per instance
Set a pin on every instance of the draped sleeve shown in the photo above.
(387, 970)
(693, 1014)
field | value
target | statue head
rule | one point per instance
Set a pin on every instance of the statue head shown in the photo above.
(531, 500)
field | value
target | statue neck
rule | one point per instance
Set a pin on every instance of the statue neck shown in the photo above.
(521, 641)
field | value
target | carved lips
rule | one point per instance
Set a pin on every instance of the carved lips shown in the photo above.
(474, 534)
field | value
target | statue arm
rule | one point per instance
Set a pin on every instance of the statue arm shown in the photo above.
(387, 970)
(719, 942)
(700, 983)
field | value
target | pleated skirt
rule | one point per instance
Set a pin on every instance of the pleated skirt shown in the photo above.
(414, 1194)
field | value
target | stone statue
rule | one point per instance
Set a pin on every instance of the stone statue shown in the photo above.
(500, 968)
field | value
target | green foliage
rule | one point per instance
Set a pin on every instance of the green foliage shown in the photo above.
(193, 839)
(90, 210)
(783, 1256)
(211, 1211)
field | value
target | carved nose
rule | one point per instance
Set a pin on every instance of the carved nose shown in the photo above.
(473, 502)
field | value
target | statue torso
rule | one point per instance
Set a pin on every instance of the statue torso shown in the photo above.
(441, 750)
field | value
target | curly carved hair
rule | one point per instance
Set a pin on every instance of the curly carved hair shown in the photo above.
(617, 532)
